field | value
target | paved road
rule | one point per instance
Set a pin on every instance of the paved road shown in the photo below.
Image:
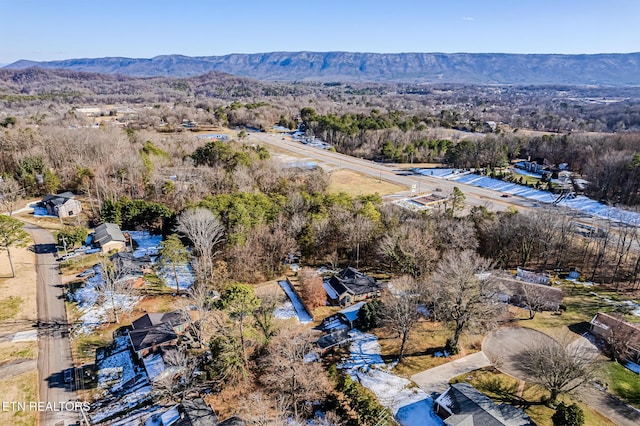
(474, 196)
(503, 347)
(436, 379)
(54, 353)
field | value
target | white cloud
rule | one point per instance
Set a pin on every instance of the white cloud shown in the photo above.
(468, 18)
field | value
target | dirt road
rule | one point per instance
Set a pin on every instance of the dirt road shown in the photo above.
(54, 353)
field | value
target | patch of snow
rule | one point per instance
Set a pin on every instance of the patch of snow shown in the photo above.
(303, 315)
(146, 243)
(410, 405)
(632, 366)
(580, 202)
(331, 293)
(285, 311)
(132, 399)
(186, 276)
(154, 365)
(95, 311)
(117, 368)
(25, 336)
(39, 211)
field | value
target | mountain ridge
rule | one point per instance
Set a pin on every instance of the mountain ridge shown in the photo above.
(606, 69)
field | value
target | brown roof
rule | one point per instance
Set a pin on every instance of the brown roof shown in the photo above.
(608, 322)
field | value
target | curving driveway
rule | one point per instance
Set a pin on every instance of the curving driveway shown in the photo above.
(504, 347)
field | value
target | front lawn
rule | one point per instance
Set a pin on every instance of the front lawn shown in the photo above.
(502, 388)
(622, 382)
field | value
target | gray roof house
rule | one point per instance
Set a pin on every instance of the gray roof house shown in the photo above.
(108, 237)
(62, 205)
(464, 405)
(351, 286)
(156, 330)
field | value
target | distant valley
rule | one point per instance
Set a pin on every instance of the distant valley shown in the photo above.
(417, 68)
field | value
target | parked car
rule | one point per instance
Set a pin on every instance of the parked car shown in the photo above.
(68, 375)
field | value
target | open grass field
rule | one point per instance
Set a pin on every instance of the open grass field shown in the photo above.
(356, 184)
(502, 388)
(23, 387)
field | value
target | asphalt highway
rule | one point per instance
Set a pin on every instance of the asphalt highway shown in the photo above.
(475, 196)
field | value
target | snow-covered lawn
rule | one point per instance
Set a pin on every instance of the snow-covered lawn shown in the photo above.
(631, 305)
(95, 311)
(149, 244)
(303, 315)
(185, 274)
(117, 367)
(285, 311)
(146, 243)
(580, 202)
(410, 405)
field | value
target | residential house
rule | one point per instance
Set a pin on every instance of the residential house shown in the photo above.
(178, 321)
(157, 330)
(519, 292)
(609, 328)
(533, 277)
(108, 237)
(62, 205)
(464, 405)
(351, 286)
(148, 340)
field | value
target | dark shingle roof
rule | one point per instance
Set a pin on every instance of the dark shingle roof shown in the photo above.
(58, 199)
(233, 421)
(332, 339)
(471, 407)
(353, 281)
(196, 412)
(154, 319)
(146, 338)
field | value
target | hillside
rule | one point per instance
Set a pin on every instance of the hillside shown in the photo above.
(466, 68)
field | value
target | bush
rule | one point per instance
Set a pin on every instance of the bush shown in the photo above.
(72, 236)
(568, 415)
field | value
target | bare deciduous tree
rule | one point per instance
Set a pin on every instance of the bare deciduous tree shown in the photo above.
(400, 309)
(290, 370)
(10, 192)
(464, 293)
(206, 232)
(559, 367)
(115, 282)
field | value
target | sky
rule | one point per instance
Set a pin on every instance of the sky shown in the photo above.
(63, 29)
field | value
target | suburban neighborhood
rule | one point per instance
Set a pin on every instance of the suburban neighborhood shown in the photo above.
(300, 238)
